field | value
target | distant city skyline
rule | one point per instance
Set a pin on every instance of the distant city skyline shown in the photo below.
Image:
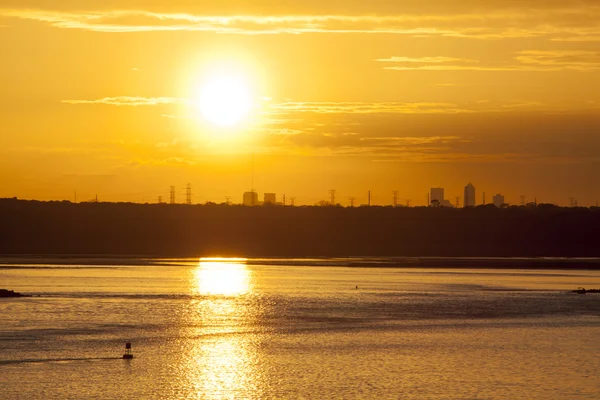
(252, 198)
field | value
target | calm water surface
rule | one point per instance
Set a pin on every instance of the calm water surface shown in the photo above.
(235, 329)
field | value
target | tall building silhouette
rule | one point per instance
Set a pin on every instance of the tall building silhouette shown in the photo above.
(498, 200)
(269, 198)
(250, 198)
(436, 194)
(469, 195)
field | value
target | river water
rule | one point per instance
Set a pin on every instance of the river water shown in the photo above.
(253, 329)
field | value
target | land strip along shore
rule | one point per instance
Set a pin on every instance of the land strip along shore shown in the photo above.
(101, 261)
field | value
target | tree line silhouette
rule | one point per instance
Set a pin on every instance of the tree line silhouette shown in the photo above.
(35, 227)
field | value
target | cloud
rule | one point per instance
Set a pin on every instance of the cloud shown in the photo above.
(171, 161)
(581, 38)
(579, 20)
(567, 59)
(408, 148)
(364, 108)
(423, 60)
(529, 60)
(130, 101)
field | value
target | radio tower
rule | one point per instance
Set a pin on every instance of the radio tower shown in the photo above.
(172, 195)
(395, 201)
(332, 196)
(188, 194)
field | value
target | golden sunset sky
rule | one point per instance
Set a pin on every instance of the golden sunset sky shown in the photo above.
(103, 97)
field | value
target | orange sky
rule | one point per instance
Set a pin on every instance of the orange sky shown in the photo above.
(101, 97)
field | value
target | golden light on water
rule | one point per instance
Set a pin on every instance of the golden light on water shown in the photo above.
(222, 276)
(221, 360)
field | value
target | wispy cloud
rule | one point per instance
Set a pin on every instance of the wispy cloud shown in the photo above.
(568, 59)
(364, 108)
(529, 60)
(170, 161)
(566, 23)
(424, 60)
(130, 101)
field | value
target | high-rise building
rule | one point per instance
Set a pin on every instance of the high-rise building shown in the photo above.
(269, 198)
(498, 200)
(250, 198)
(469, 195)
(436, 194)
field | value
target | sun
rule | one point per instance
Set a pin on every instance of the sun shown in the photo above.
(225, 100)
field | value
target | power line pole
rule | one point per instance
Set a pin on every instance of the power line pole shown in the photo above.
(457, 204)
(172, 195)
(228, 200)
(292, 201)
(395, 200)
(332, 196)
(283, 201)
(408, 203)
(352, 199)
(188, 194)
(369, 198)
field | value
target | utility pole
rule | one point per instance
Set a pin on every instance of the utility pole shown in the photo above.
(352, 199)
(369, 198)
(292, 201)
(283, 201)
(332, 197)
(228, 200)
(457, 204)
(408, 203)
(172, 195)
(395, 200)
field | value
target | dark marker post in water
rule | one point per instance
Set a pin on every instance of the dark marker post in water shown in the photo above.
(128, 355)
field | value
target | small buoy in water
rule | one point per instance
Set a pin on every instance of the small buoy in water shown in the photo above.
(128, 354)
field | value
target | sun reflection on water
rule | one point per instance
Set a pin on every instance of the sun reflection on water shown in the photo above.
(224, 276)
(222, 353)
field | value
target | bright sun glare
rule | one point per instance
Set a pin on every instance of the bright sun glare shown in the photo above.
(225, 100)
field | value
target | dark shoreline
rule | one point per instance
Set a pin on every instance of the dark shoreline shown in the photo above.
(533, 263)
(162, 230)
